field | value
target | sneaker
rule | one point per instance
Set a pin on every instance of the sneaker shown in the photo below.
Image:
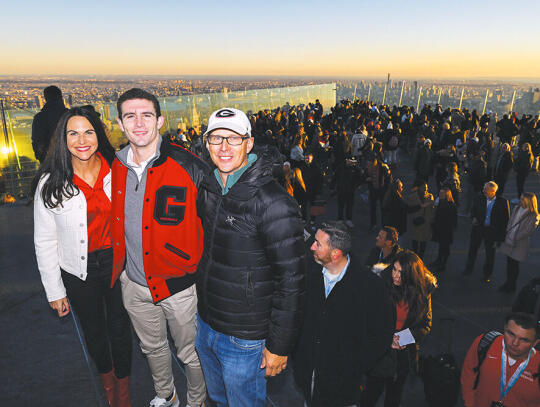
(171, 401)
(349, 223)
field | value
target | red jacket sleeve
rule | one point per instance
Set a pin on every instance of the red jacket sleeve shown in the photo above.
(468, 376)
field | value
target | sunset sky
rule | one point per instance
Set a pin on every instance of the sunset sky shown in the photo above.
(432, 39)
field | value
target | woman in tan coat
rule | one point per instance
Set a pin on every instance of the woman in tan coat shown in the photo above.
(421, 218)
(523, 221)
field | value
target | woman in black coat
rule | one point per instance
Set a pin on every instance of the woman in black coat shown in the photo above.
(410, 284)
(523, 165)
(444, 223)
(395, 208)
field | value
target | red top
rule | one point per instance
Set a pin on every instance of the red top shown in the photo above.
(402, 310)
(98, 209)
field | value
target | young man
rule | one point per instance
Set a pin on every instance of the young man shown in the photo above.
(509, 371)
(250, 281)
(348, 323)
(386, 248)
(157, 240)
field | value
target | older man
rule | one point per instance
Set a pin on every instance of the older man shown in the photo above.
(251, 276)
(490, 214)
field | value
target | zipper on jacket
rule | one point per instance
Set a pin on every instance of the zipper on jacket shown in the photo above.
(177, 251)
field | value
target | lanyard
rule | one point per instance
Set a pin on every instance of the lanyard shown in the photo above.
(505, 387)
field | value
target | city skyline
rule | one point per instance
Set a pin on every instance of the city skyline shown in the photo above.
(486, 40)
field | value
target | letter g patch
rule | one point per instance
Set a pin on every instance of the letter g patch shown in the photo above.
(170, 205)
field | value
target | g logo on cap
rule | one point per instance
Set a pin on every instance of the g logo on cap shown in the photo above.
(225, 113)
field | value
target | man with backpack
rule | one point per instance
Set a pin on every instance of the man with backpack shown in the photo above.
(502, 369)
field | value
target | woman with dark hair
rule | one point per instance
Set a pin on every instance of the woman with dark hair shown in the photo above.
(295, 186)
(452, 181)
(523, 165)
(523, 222)
(444, 223)
(73, 245)
(410, 285)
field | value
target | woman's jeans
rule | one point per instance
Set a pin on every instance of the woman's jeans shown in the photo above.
(102, 315)
(231, 368)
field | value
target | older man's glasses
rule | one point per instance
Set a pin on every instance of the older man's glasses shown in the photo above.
(232, 140)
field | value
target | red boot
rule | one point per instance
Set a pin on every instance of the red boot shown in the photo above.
(122, 392)
(109, 381)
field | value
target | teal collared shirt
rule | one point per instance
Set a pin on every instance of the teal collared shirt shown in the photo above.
(330, 280)
(235, 176)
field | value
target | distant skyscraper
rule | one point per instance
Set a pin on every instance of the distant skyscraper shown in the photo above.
(107, 112)
(195, 118)
(536, 96)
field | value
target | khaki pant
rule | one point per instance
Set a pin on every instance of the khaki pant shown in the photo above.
(150, 323)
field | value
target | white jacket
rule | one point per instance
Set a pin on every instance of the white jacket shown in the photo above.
(61, 239)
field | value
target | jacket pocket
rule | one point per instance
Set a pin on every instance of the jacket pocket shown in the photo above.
(177, 251)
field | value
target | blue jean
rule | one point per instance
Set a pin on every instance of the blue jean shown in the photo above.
(231, 368)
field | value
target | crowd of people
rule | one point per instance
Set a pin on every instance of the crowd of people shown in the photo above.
(210, 244)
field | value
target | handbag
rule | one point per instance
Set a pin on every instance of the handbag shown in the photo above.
(386, 366)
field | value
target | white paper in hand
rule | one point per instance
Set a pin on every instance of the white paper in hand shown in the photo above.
(405, 337)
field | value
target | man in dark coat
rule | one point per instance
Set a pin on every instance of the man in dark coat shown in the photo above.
(507, 129)
(45, 121)
(423, 163)
(378, 179)
(504, 165)
(490, 214)
(250, 280)
(348, 322)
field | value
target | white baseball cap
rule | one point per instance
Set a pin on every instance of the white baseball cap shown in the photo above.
(231, 119)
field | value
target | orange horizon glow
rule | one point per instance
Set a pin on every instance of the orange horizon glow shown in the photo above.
(343, 38)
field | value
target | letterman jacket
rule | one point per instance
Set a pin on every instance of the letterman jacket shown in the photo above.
(172, 232)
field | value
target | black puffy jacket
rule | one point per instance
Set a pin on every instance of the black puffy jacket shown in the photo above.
(250, 280)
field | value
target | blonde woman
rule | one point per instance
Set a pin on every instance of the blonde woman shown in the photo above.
(523, 221)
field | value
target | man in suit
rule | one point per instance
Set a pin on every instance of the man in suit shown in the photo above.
(348, 322)
(45, 121)
(504, 165)
(490, 214)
